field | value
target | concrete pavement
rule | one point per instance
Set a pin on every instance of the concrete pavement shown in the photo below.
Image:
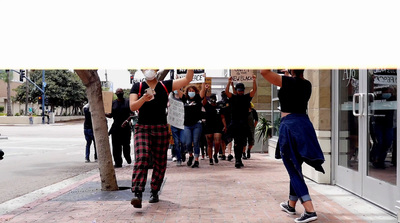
(218, 193)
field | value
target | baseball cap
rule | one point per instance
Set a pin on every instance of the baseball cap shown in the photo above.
(239, 87)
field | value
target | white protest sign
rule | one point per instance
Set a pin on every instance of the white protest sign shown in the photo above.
(242, 75)
(176, 113)
(197, 77)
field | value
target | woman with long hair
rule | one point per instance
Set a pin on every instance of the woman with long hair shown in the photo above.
(192, 122)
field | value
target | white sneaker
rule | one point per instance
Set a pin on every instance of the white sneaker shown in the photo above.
(174, 159)
(179, 163)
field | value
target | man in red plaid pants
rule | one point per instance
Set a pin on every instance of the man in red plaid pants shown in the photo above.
(150, 98)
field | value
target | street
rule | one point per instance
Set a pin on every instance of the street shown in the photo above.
(37, 156)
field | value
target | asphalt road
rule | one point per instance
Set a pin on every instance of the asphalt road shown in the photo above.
(40, 155)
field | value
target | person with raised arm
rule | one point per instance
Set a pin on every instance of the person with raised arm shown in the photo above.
(150, 98)
(298, 141)
(239, 129)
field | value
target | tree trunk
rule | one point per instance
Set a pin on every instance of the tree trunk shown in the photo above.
(162, 74)
(91, 80)
(9, 112)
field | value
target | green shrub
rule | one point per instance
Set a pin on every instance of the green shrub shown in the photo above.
(1, 109)
(17, 114)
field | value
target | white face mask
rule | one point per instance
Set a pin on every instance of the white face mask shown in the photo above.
(149, 74)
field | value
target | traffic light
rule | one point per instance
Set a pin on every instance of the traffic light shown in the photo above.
(40, 100)
(131, 79)
(46, 101)
(21, 75)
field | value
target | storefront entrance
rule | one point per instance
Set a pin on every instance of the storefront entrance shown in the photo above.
(365, 134)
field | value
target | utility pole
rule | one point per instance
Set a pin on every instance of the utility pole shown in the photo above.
(22, 75)
(9, 112)
(106, 75)
(43, 95)
(27, 93)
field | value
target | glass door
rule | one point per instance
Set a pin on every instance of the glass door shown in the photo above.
(366, 134)
(381, 183)
(348, 112)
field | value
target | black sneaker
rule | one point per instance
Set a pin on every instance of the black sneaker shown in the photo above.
(230, 157)
(244, 156)
(137, 200)
(195, 164)
(287, 208)
(190, 161)
(248, 154)
(306, 217)
(223, 157)
(211, 162)
(238, 164)
(215, 158)
(154, 197)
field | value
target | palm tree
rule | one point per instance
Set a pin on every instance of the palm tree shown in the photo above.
(5, 76)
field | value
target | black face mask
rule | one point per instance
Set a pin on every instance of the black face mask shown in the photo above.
(120, 95)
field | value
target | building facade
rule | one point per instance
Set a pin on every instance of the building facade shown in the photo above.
(354, 113)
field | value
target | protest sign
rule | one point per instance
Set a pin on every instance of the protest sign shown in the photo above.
(107, 101)
(176, 113)
(242, 75)
(208, 81)
(197, 77)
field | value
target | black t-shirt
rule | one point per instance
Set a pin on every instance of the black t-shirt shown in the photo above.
(192, 109)
(294, 94)
(225, 110)
(120, 112)
(87, 124)
(153, 112)
(240, 106)
(213, 115)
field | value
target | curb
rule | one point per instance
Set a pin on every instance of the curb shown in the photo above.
(60, 188)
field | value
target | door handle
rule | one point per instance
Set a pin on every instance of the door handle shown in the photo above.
(360, 107)
(372, 113)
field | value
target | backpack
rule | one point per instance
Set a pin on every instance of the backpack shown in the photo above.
(140, 89)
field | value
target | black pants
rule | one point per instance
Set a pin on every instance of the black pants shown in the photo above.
(239, 131)
(121, 144)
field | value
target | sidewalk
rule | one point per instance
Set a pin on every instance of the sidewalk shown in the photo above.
(219, 193)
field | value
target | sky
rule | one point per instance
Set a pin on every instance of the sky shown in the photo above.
(212, 34)
(120, 78)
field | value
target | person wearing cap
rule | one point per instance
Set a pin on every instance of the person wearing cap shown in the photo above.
(239, 127)
(298, 141)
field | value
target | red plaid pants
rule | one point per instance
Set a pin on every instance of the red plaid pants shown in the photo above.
(150, 140)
